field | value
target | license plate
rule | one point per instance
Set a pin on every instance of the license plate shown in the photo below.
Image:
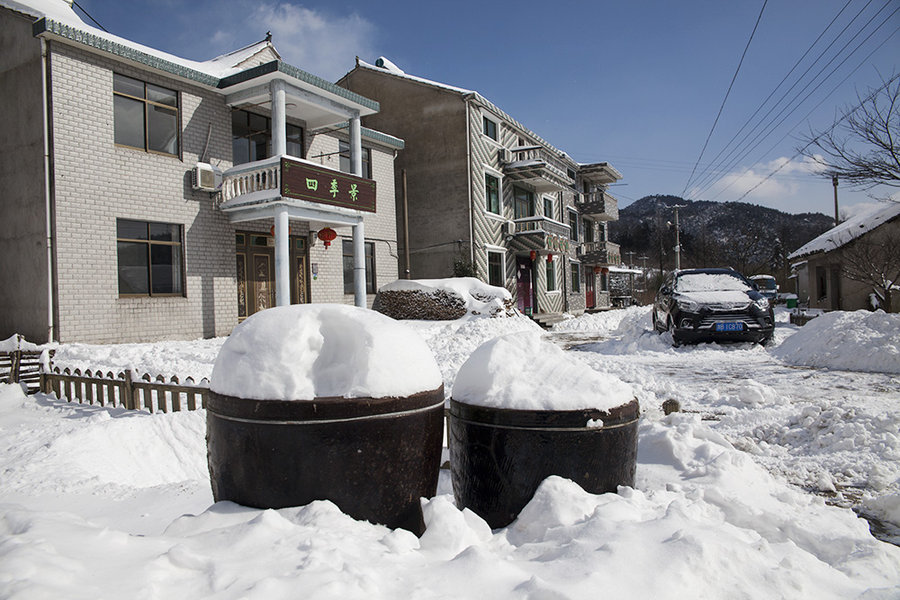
(729, 326)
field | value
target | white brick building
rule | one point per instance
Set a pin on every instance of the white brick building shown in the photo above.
(105, 235)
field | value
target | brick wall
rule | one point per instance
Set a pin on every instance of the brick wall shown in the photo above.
(97, 182)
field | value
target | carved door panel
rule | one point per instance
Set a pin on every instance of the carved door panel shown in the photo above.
(263, 282)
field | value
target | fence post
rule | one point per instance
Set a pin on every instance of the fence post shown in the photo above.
(14, 366)
(128, 390)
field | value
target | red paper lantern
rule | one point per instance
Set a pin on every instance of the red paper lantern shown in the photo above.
(549, 258)
(596, 270)
(533, 255)
(605, 270)
(272, 231)
(327, 235)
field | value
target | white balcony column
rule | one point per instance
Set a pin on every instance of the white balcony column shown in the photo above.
(359, 232)
(282, 257)
(278, 93)
(359, 265)
(355, 146)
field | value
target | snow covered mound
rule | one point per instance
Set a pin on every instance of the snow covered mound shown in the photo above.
(442, 299)
(303, 352)
(854, 341)
(521, 371)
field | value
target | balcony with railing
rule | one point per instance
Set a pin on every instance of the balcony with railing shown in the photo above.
(599, 205)
(259, 180)
(600, 253)
(539, 233)
(538, 167)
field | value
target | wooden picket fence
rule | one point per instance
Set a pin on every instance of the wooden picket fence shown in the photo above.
(123, 390)
(22, 366)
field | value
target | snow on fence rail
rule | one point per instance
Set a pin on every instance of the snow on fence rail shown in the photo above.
(123, 390)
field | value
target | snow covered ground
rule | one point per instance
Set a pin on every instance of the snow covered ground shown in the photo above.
(743, 494)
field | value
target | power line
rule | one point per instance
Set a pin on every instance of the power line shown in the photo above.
(87, 14)
(815, 139)
(722, 107)
(794, 104)
(701, 178)
(822, 101)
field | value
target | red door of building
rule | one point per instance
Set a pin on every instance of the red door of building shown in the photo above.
(523, 284)
(589, 301)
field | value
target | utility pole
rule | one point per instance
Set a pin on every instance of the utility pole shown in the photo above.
(834, 182)
(630, 254)
(677, 238)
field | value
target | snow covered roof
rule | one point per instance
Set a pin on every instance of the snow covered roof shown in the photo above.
(849, 230)
(57, 19)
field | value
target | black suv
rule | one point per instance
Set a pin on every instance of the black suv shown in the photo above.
(698, 305)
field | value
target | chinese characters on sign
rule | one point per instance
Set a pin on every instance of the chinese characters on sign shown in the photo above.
(303, 181)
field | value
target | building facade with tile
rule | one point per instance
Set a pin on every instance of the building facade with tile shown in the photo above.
(148, 197)
(485, 193)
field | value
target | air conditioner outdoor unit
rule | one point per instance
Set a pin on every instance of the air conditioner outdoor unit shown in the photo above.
(502, 155)
(510, 228)
(206, 177)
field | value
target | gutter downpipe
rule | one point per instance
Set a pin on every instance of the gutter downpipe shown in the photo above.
(468, 99)
(405, 223)
(51, 325)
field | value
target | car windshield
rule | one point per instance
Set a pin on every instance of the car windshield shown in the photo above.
(765, 284)
(710, 282)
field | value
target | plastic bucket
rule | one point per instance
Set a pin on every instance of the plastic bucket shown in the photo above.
(499, 457)
(373, 457)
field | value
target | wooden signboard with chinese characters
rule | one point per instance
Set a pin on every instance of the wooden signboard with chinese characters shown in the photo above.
(303, 181)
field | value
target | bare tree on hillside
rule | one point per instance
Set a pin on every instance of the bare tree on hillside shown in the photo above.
(874, 260)
(863, 149)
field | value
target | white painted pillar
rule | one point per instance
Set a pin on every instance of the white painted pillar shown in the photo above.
(282, 257)
(277, 95)
(359, 265)
(359, 236)
(355, 146)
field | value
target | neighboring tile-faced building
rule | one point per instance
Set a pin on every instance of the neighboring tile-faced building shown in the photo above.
(484, 190)
(150, 197)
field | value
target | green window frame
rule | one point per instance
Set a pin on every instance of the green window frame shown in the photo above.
(347, 250)
(150, 258)
(492, 193)
(576, 277)
(145, 116)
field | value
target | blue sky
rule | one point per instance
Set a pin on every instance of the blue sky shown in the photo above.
(635, 83)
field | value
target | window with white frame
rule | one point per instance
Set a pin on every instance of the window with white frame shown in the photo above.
(548, 207)
(492, 193)
(496, 268)
(576, 276)
(573, 225)
(490, 128)
(551, 275)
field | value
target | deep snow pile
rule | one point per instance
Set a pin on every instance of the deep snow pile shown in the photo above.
(105, 503)
(854, 341)
(704, 521)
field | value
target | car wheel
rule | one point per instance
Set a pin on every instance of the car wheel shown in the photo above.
(670, 327)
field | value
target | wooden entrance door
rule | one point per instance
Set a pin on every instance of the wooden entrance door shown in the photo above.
(255, 270)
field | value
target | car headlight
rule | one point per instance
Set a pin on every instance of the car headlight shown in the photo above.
(688, 305)
(762, 304)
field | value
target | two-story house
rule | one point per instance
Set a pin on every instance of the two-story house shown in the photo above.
(146, 196)
(485, 192)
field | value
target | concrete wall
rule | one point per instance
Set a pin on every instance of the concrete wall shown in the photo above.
(23, 244)
(432, 123)
(97, 182)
